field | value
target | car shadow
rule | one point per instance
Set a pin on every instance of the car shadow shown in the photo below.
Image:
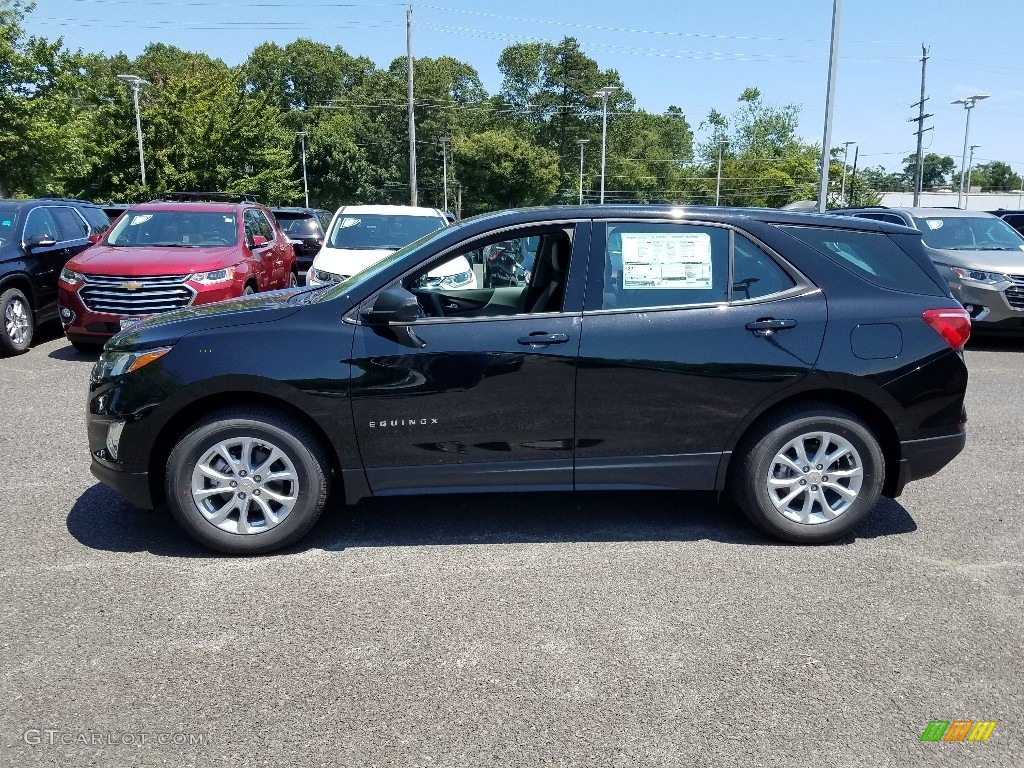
(993, 343)
(70, 353)
(47, 332)
(102, 520)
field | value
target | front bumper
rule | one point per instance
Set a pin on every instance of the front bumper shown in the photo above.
(134, 486)
(991, 306)
(923, 458)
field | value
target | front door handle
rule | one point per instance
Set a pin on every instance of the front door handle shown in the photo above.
(766, 326)
(539, 337)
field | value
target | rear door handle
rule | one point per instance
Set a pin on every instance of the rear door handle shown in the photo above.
(539, 337)
(766, 326)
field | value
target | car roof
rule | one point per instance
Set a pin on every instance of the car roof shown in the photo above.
(392, 210)
(191, 207)
(291, 209)
(683, 212)
(920, 211)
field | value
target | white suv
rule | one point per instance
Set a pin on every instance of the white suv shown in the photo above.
(362, 235)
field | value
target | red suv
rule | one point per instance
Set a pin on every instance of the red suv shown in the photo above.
(169, 254)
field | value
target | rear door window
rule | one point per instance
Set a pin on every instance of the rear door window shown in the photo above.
(869, 255)
(70, 224)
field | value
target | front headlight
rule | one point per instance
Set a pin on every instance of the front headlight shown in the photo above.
(215, 276)
(977, 275)
(113, 364)
(323, 276)
(71, 278)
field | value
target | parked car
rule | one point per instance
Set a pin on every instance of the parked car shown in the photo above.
(113, 210)
(360, 235)
(802, 364)
(169, 254)
(305, 228)
(1014, 218)
(979, 255)
(37, 237)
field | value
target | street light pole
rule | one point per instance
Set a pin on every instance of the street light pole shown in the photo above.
(970, 170)
(718, 184)
(444, 165)
(305, 184)
(582, 142)
(968, 103)
(846, 157)
(603, 94)
(136, 82)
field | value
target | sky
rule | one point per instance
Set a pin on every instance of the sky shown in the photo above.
(695, 54)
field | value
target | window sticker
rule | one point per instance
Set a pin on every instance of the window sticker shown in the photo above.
(934, 223)
(666, 260)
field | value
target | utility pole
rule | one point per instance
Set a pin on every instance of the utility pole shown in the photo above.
(412, 115)
(970, 170)
(921, 116)
(136, 82)
(853, 174)
(582, 142)
(830, 97)
(305, 183)
(718, 182)
(444, 164)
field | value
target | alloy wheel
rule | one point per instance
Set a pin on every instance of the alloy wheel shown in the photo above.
(815, 477)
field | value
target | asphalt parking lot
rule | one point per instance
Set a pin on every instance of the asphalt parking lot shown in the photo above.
(610, 629)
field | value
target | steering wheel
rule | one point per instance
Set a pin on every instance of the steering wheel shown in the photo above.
(435, 304)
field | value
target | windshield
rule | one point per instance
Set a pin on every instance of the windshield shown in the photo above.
(184, 229)
(297, 225)
(376, 231)
(968, 233)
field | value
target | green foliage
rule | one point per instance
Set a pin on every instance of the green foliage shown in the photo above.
(500, 169)
(935, 170)
(994, 176)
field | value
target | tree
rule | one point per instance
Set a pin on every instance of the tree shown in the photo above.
(500, 169)
(40, 124)
(934, 172)
(994, 176)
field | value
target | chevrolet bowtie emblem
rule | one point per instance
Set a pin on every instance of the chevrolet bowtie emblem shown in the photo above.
(132, 285)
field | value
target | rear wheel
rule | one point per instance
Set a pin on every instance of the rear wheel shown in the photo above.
(293, 280)
(248, 290)
(809, 474)
(17, 324)
(247, 481)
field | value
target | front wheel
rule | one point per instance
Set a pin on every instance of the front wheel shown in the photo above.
(247, 481)
(17, 325)
(809, 474)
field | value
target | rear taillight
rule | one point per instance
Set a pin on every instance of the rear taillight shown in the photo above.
(954, 325)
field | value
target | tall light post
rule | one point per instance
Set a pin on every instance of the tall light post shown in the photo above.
(305, 184)
(603, 94)
(137, 82)
(718, 184)
(846, 157)
(444, 164)
(970, 169)
(968, 103)
(582, 143)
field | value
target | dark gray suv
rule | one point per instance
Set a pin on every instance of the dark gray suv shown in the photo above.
(37, 237)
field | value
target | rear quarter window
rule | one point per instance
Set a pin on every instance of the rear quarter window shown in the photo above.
(871, 256)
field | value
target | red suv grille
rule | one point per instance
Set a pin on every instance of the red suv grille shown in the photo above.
(125, 295)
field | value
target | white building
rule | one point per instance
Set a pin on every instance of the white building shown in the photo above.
(976, 201)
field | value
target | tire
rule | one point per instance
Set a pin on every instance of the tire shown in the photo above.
(277, 512)
(17, 323)
(248, 290)
(293, 280)
(771, 487)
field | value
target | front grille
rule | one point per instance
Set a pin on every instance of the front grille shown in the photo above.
(1015, 296)
(1016, 279)
(148, 295)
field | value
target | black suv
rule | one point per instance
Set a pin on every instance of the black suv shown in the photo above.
(805, 364)
(305, 228)
(1014, 218)
(37, 237)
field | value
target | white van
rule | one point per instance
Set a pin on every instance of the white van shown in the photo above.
(362, 235)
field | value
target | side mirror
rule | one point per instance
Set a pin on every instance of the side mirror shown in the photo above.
(392, 305)
(258, 241)
(40, 241)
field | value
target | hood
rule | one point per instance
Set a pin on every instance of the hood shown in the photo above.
(167, 328)
(143, 261)
(342, 261)
(1009, 261)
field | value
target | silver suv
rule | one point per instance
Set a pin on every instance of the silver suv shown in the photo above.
(980, 255)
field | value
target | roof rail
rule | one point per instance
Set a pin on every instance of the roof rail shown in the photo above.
(212, 197)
